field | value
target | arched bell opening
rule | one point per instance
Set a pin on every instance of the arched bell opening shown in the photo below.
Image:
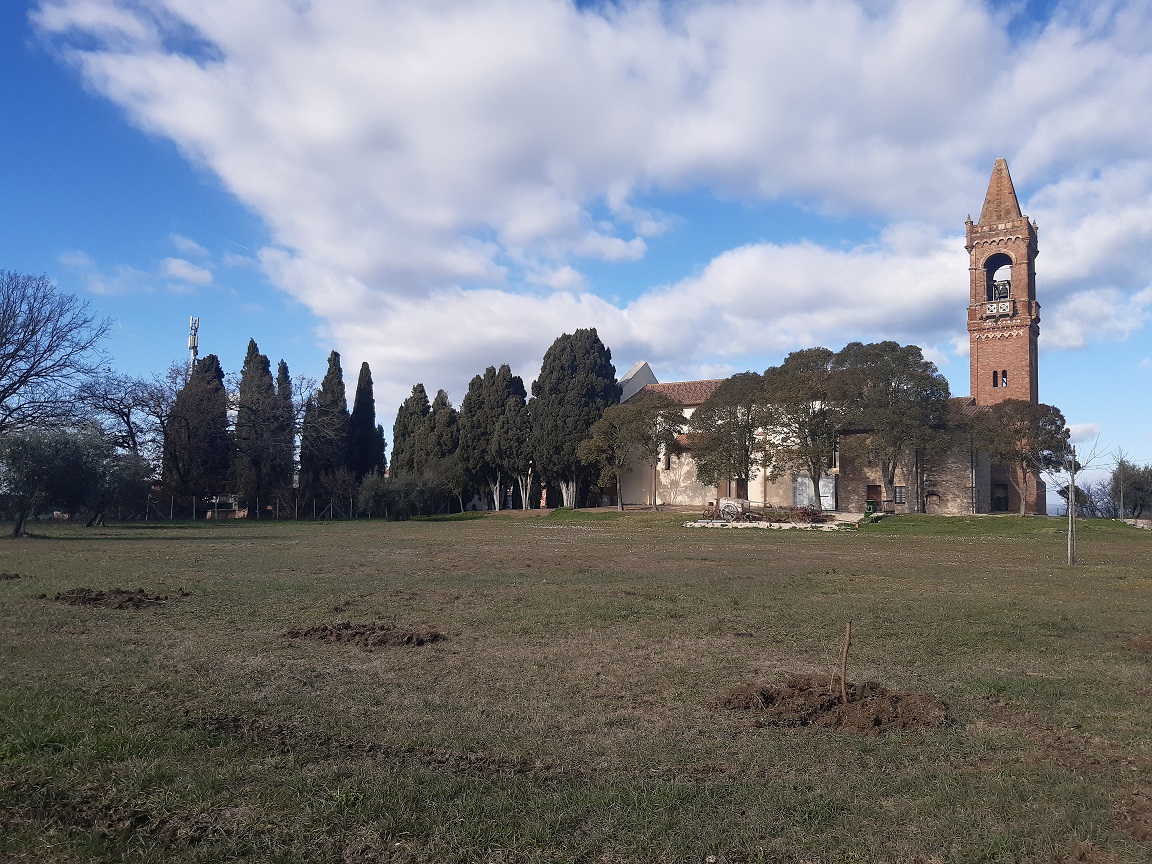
(998, 277)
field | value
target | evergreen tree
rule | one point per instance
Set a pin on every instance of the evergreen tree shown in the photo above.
(365, 438)
(481, 449)
(255, 434)
(407, 433)
(513, 447)
(577, 382)
(197, 449)
(439, 448)
(310, 448)
(284, 444)
(327, 430)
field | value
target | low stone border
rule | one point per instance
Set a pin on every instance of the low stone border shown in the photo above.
(1146, 524)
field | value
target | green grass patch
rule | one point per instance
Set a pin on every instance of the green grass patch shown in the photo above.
(573, 713)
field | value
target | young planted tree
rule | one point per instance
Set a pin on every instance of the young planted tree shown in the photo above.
(1030, 437)
(723, 431)
(365, 438)
(577, 382)
(803, 411)
(197, 448)
(407, 433)
(899, 401)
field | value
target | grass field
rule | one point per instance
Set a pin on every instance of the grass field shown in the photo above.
(572, 713)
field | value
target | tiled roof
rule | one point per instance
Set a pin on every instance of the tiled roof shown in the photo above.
(687, 393)
(965, 406)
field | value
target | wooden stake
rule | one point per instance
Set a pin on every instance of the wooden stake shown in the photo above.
(844, 663)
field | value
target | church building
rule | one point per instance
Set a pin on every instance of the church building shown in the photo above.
(1003, 329)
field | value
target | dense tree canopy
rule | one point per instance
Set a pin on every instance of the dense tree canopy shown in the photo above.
(577, 382)
(723, 431)
(257, 426)
(803, 413)
(896, 399)
(407, 432)
(1130, 487)
(483, 452)
(324, 432)
(1030, 437)
(197, 448)
(635, 431)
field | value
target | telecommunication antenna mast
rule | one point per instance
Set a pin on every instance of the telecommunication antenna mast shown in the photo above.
(193, 342)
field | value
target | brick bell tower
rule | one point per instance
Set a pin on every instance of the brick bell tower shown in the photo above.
(1003, 315)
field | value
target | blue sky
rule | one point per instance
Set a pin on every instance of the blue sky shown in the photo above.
(435, 188)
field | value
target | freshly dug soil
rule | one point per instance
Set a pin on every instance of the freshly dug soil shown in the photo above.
(368, 636)
(4, 577)
(116, 598)
(1141, 644)
(1136, 814)
(805, 700)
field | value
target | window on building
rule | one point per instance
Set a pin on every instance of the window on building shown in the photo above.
(995, 378)
(901, 495)
(667, 461)
(1004, 378)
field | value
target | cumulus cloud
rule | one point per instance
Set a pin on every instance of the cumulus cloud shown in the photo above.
(439, 178)
(187, 245)
(185, 271)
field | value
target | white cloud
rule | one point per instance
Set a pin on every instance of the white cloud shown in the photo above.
(1082, 432)
(426, 170)
(187, 245)
(186, 271)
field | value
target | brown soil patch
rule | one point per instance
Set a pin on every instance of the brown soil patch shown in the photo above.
(1141, 644)
(1136, 815)
(117, 598)
(368, 636)
(805, 700)
(5, 577)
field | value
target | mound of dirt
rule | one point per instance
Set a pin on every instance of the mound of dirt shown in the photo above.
(5, 577)
(1136, 814)
(806, 700)
(368, 636)
(116, 598)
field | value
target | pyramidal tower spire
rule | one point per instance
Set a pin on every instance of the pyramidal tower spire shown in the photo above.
(1000, 204)
(1003, 315)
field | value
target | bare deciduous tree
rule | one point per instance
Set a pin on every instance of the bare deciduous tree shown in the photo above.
(48, 342)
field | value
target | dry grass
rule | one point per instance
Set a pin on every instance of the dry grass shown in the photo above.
(573, 710)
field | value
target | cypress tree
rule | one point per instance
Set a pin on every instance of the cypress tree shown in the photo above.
(577, 382)
(407, 433)
(284, 453)
(254, 435)
(481, 413)
(197, 449)
(326, 429)
(365, 438)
